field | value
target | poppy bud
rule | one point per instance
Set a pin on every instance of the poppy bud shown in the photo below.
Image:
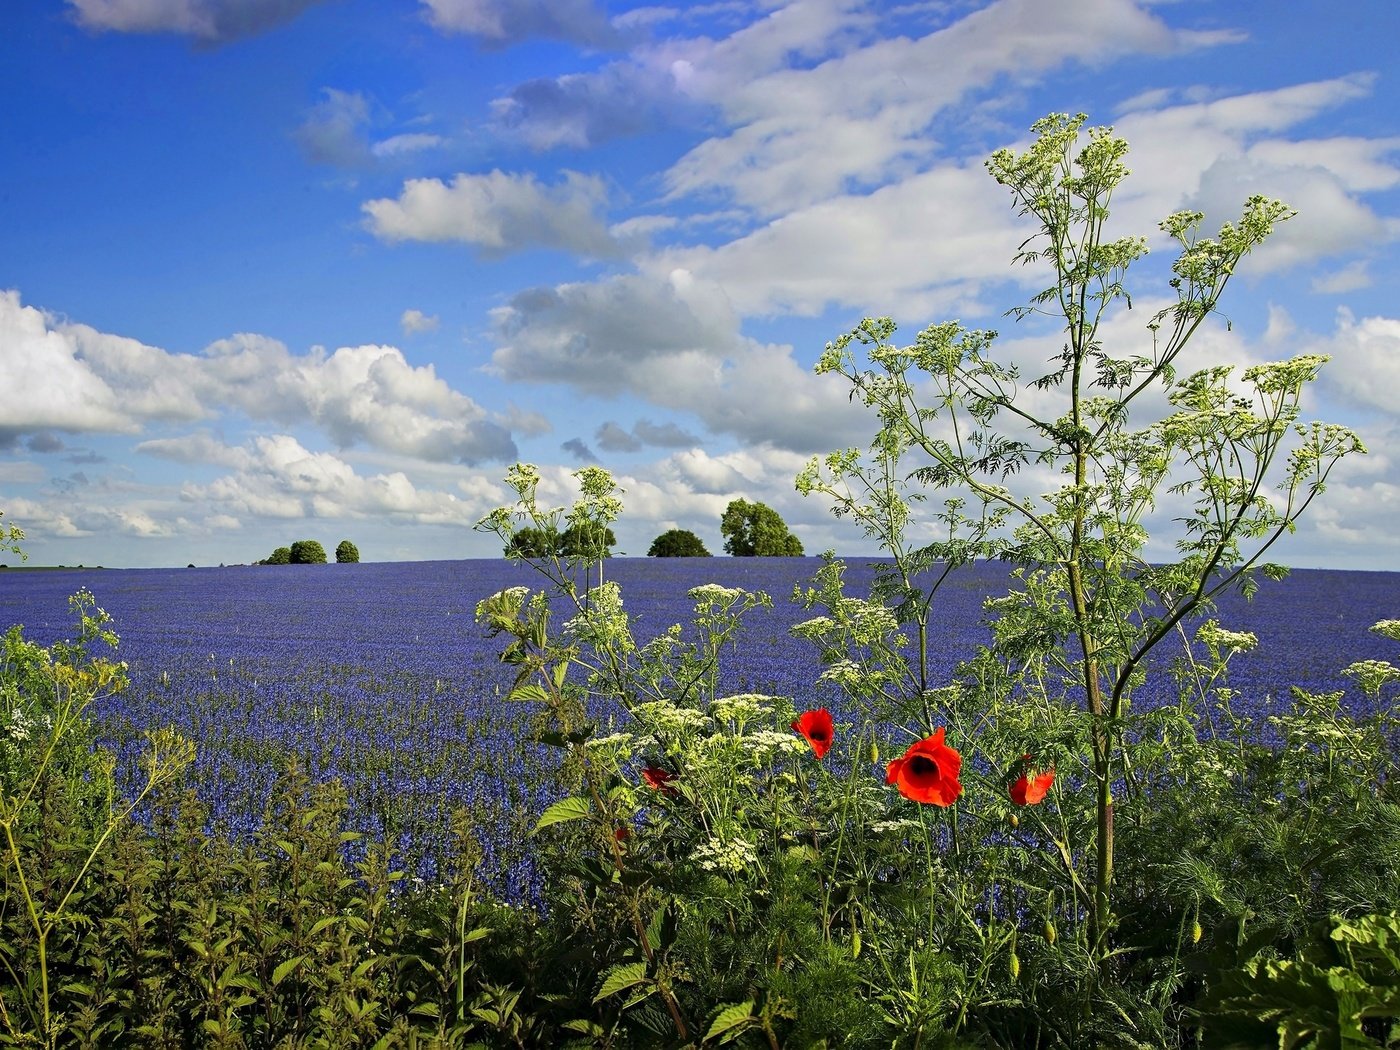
(1015, 821)
(1196, 932)
(1015, 966)
(874, 752)
(1050, 934)
(855, 944)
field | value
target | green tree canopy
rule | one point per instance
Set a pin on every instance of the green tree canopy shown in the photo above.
(281, 556)
(677, 543)
(308, 552)
(574, 542)
(756, 529)
(346, 552)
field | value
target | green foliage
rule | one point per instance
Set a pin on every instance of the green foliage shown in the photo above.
(307, 552)
(713, 877)
(346, 553)
(280, 556)
(1090, 608)
(545, 542)
(757, 530)
(1341, 990)
(58, 810)
(677, 543)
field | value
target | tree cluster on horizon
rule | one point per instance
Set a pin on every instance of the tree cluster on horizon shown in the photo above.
(311, 552)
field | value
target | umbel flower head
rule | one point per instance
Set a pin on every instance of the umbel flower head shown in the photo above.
(816, 726)
(1031, 786)
(928, 771)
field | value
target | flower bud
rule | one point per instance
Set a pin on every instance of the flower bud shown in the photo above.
(1050, 934)
(1015, 966)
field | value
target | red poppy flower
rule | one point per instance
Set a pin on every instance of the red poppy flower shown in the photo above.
(817, 728)
(1031, 787)
(928, 771)
(622, 834)
(659, 779)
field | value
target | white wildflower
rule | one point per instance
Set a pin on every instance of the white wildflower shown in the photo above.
(1389, 628)
(741, 707)
(713, 592)
(732, 855)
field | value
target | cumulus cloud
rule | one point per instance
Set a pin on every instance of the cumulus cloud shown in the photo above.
(209, 21)
(1366, 361)
(71, 377)
(499, 213)
(675, 342)
(47, 386)
(501, 23)
(277, 477)
(414, 321)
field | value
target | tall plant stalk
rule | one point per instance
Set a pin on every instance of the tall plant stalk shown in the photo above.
(1093, 607)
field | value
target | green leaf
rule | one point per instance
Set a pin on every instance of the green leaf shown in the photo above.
(529, 692)
(731, 1018)
(620, 978)
(565, 809)
(284, 968)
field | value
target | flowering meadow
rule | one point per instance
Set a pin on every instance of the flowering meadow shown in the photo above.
(379, 675)
(1015, 784)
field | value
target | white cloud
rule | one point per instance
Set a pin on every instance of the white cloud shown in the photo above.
(415, 321)
(71, 377)
(499, 213)
(409, 142)
(675, 342)
(1365, 361)
(46, 384)
(802, 135)
(280, 478)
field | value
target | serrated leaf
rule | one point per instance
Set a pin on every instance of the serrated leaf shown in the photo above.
(285, 967)
(530, 692)
(620, 978)
(565, 809)
(730, 1017)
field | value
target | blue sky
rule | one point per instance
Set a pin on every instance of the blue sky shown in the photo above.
(285, 269)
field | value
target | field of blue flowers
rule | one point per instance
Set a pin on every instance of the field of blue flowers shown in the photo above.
(378, 674)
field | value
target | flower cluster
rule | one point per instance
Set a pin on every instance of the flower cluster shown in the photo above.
(928, 771)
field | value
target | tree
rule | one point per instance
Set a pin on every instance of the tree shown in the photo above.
(545, 541)
(532, 541)
(308, 552)
(281, 556)
(587, 541)
(677, 543)
(756, 529)
(346, 553)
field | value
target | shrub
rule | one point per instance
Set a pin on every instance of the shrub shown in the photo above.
(346, 553)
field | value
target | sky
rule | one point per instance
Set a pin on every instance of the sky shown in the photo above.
(323, 269)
